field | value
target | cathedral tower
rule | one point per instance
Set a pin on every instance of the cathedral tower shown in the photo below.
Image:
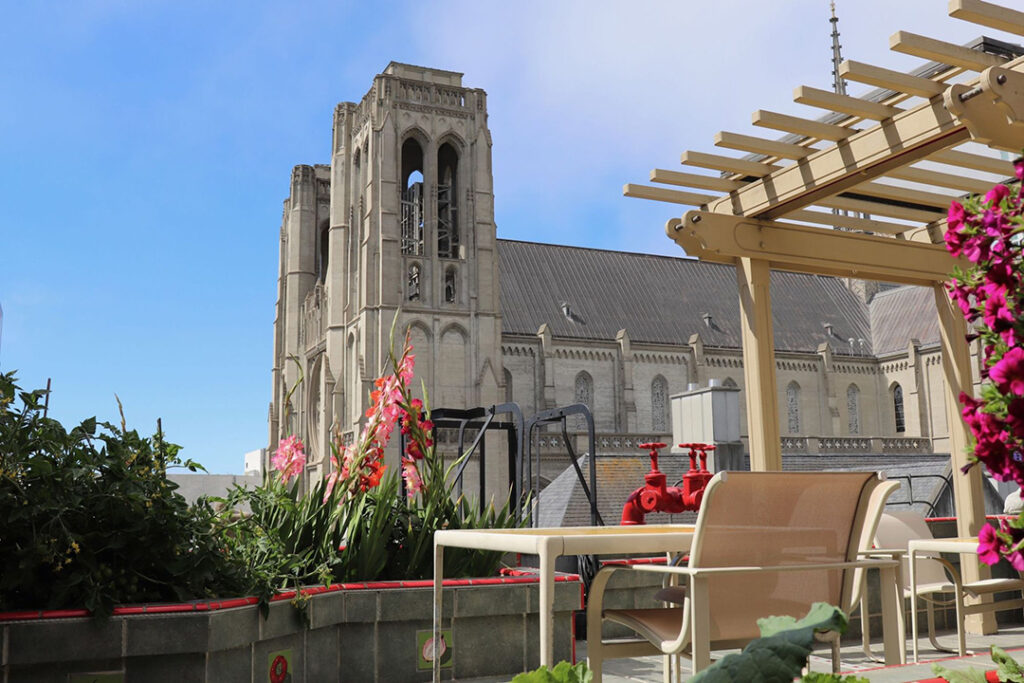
(408, 224)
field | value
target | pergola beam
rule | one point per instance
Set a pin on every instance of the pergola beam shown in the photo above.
(987, 14)
(889, 79)
(662, 194)
(943, 52)
(844, 104)
(907, 137)
(704, 182)
(799, 248)
(755, 145)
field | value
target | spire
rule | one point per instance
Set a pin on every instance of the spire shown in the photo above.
(838, 84)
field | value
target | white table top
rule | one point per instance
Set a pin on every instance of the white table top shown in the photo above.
(579, 540)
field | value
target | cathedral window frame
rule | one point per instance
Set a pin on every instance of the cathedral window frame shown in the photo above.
(793, 407)
(898, 408)
(414, 282)
(451, 285)
(659, 405)
(412, 203)
(447, 191)
(853, 425)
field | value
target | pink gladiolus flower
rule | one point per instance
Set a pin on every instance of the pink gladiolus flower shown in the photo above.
(289, 458)
(1008, 372)
(413, 481)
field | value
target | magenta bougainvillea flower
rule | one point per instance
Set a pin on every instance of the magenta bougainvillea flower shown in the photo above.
(1008, 372)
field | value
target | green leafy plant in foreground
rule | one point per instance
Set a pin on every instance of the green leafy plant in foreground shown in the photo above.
(781, 653)
(91, 520)
(564, 672)
(1008, 670)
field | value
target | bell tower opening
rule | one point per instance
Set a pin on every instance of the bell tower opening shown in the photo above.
(447, 202)
(412, 198)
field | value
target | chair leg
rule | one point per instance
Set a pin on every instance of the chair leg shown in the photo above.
(961, 632)
(835, 655)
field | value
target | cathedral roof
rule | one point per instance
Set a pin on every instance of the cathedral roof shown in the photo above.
(901, 314)
(593, 293)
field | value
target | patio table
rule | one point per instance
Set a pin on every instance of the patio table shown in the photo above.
(548, 544)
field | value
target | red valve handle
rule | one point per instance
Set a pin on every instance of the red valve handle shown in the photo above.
(652, 447)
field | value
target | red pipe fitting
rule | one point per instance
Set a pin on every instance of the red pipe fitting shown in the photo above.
(655, 496)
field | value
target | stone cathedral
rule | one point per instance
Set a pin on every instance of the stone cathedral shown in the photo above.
(402, 218)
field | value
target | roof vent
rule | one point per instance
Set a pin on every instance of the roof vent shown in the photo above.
(707, 319)
(569, 314)
(828, 329)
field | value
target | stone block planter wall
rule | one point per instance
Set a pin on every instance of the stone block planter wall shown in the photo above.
(348, 632)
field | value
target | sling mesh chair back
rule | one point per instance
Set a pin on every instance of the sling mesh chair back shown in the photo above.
(938, 581)
(760, 521)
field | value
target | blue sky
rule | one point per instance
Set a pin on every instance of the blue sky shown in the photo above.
(147, 146)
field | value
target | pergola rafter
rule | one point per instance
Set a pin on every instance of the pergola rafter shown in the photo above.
(875, 156)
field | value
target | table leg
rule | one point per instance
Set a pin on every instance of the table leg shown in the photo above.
(913, 604)
(892, 604)
(547, 607)
(438, 583)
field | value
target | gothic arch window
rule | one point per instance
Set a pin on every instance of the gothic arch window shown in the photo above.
(450, 291)
(853, 408)
(897, 408)
(412, 198)
(584, 394)
(793, 407)
(730, 382)
(447, 202)
(659, 405)
(412, 287)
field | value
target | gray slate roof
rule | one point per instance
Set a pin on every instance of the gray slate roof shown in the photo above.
(662, 299)
(897, 315)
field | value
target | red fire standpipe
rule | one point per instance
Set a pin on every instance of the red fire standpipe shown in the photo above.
(655, 496)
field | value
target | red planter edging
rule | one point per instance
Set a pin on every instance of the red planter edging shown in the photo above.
(212, 605)
(990, 677)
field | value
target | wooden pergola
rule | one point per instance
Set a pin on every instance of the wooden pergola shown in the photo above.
(858, 192)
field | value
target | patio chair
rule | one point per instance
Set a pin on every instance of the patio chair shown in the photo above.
(938, 581)
(765, 543)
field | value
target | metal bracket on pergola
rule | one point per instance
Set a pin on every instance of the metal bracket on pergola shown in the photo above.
(862, 192)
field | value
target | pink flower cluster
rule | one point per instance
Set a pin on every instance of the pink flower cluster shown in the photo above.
(289, 458)
(989, 232)
(1006, 542)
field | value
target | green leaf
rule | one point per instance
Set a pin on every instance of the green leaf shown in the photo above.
(959, 676)
(1009, 670)
(782, 651)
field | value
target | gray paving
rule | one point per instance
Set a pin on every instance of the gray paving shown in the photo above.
(854, 661)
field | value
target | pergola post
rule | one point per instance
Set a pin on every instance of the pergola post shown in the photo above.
(967, 488)
(753, 276)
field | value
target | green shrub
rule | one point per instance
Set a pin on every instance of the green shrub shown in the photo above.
(90, 519)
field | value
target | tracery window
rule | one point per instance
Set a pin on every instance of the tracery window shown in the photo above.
(659, 405)
(897, 408)
(793, 407)
(853, 409)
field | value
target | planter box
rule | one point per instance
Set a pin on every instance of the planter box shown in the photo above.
(348, 632)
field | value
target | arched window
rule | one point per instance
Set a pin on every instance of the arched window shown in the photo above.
(585, 395)
(412, 291)
(897, 408)
(447, 202)
(793, 407)
(659, 405)
(412, 198)
(730, 382)
(450, 292)
(853, 408)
